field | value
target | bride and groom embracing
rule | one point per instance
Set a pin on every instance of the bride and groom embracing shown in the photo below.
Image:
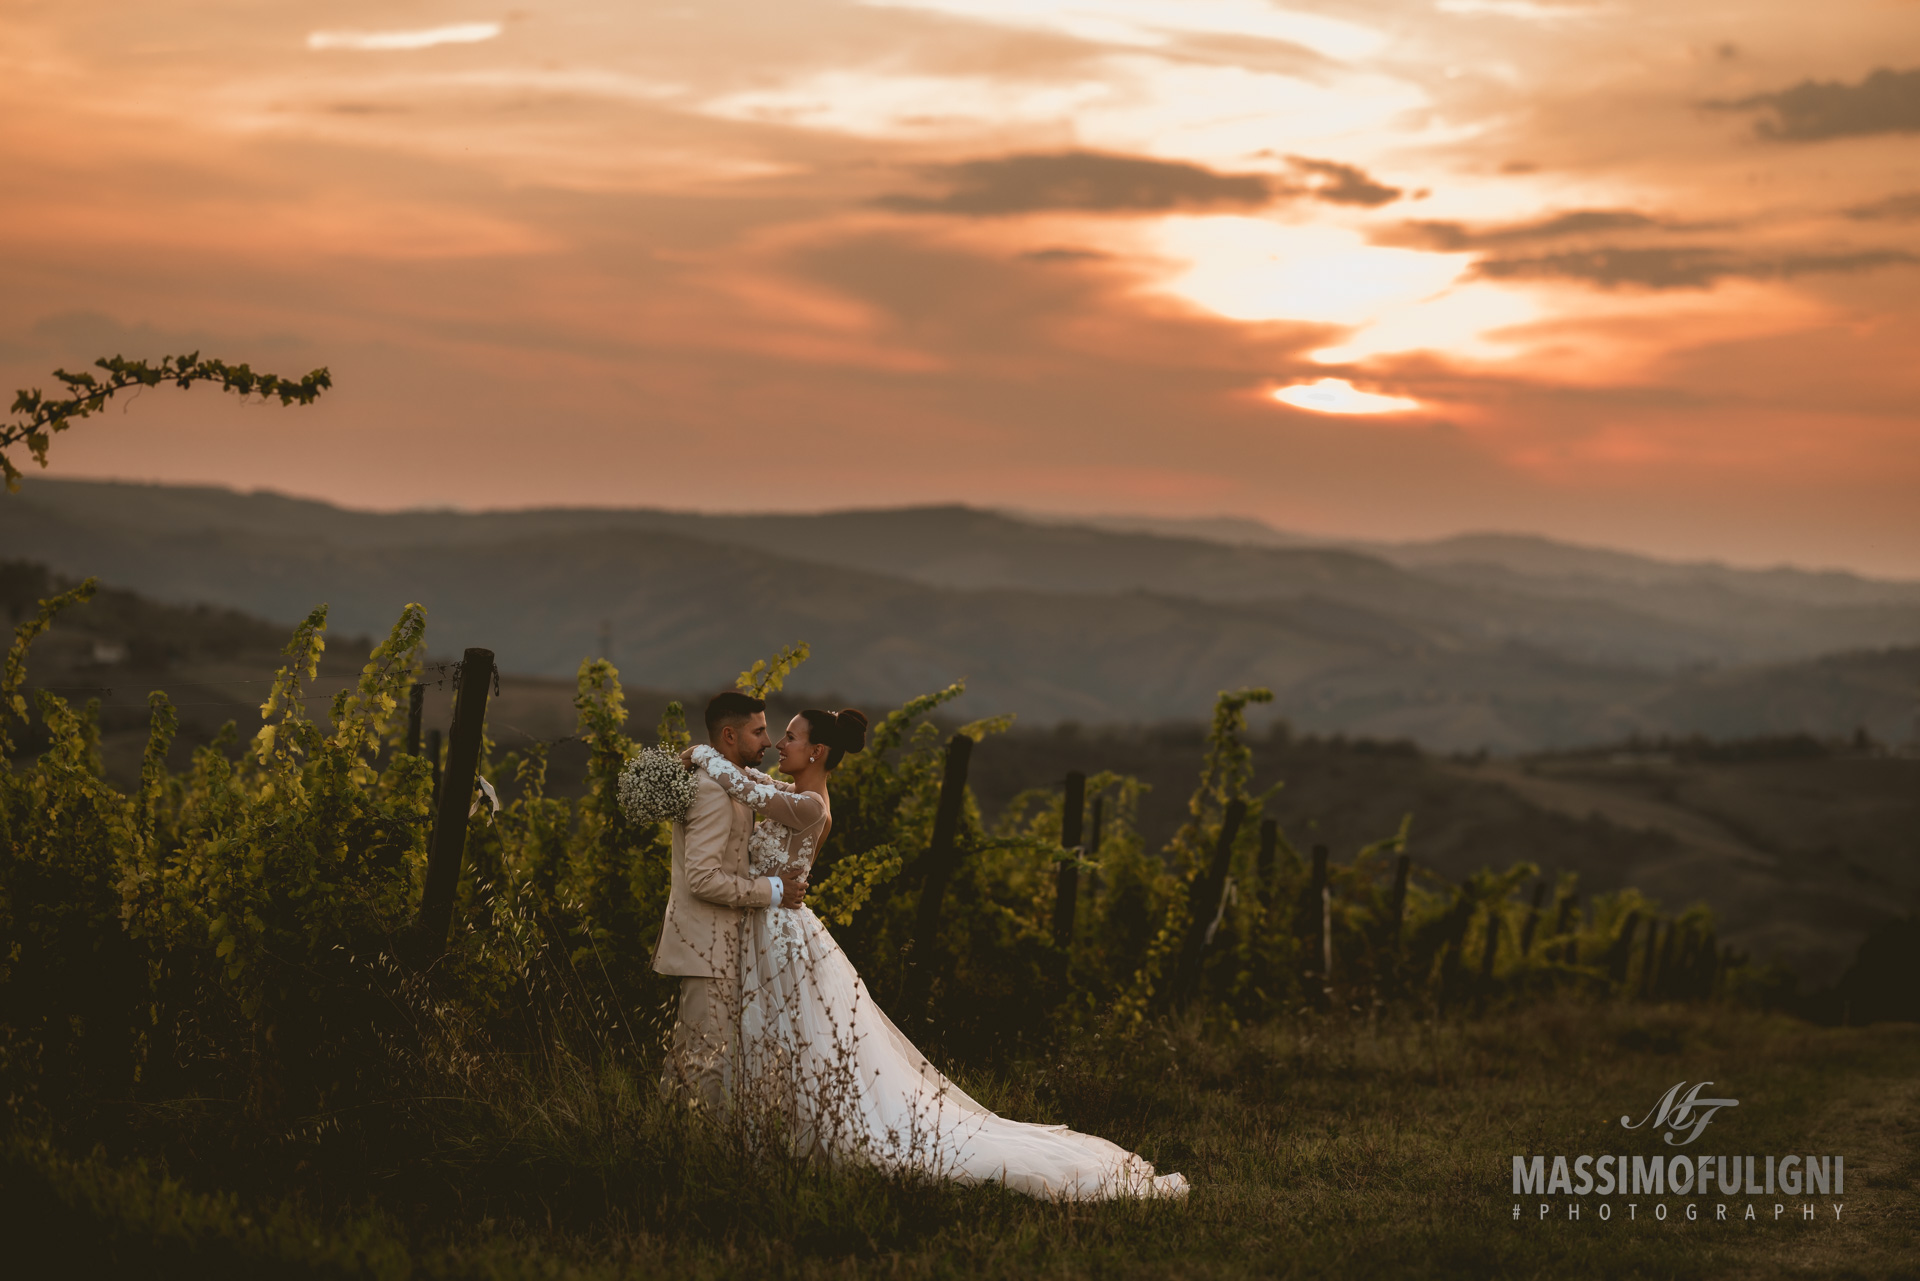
(774, 1021)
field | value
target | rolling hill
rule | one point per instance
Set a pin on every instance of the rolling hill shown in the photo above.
(1049, 620)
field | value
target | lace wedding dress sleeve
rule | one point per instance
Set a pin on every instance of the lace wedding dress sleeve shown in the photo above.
(778, 801)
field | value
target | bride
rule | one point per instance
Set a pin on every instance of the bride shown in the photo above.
(818, 1056)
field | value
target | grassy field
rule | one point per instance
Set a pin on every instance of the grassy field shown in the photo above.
(1321, 1147)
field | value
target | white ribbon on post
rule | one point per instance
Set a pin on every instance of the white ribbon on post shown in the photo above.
(488, 794)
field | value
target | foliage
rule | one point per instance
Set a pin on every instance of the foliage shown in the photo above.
(13, 704)
(853, 882)
(41, 417)
(1225, 772)
(1226, 769)
(768, 676)
(672, 730)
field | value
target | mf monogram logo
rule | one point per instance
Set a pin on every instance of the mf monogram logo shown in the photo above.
(1676, 1112)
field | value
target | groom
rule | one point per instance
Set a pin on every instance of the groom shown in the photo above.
(711, 888)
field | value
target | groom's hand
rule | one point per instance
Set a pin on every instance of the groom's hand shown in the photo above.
(796, 891)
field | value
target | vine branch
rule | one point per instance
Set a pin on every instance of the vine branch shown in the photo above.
(38, 417)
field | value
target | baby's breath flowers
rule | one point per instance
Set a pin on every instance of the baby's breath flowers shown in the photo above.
(655, 787)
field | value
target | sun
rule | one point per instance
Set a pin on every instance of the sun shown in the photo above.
(1338, 396)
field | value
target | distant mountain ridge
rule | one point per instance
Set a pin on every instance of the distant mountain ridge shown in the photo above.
(1531, 555)
(1049, 620)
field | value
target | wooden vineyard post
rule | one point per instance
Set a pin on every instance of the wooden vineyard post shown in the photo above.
(1205, 904)
(1620, 955)
(416, 708)
(1326, 942)
(1488, 955)
(1266, 868)
(1456, 939)
(1320, 905)
(1389, 930)
(1560, 925)
(1093, 844)
(1397, 906)
(1669, 958)
(433, 755)
(1067, 878)
(1533, 918)
(1708, 965)
(943, 859)
(456, 796)
(1269, 851)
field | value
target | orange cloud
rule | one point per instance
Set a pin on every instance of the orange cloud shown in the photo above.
(1053, 254)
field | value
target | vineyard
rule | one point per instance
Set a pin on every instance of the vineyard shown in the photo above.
(324, 965)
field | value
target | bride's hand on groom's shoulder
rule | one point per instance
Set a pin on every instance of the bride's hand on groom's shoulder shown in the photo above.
(686, 758)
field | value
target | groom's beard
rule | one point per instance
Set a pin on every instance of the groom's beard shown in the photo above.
(745, 758)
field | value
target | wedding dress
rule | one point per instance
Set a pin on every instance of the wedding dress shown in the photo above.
(824, 1062)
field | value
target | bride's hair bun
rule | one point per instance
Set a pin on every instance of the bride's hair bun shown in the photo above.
(852, 728)
(839, 732)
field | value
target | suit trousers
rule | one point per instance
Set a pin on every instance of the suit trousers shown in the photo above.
(699, 1066)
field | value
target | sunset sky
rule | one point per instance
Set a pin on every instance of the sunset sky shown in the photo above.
(1632, 273)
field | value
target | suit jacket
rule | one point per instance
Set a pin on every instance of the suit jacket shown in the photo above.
(711, 886)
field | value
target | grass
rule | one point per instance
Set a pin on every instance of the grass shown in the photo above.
(1315, 1148)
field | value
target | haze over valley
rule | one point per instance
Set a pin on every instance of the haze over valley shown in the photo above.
(1502, 642)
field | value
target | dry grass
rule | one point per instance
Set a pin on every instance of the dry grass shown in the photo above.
(1315, 1148)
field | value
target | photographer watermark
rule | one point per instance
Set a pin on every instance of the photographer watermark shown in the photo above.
(1681, 1116)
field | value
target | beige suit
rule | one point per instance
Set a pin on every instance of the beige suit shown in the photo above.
(700, 940)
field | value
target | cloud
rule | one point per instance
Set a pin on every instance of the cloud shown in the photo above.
(1524, 10)
(1452, 237)
(1101, 182)
(1887, 101)
(1085, 180)
(1152, 23)
(1065, 255)
(389, 41)
(1901, 208)
(1342, 184)
(1680, 268)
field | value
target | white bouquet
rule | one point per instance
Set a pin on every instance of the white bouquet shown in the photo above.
(655, 787)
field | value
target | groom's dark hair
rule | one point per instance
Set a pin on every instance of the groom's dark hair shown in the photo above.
(730, 707)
